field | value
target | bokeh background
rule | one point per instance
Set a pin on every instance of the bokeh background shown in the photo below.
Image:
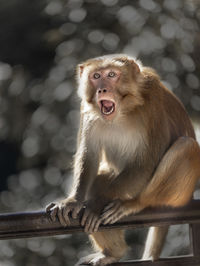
(41, 43)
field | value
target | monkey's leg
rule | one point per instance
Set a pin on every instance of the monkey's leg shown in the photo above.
(172, 184)
(175, 178)
(111, 246)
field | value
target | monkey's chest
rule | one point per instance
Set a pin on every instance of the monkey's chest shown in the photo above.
(121, 147)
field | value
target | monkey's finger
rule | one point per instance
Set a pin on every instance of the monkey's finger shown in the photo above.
(53, 213)
(108, 219)
(110, 205)
(93, 223)
(76, 211)
(84, 217)
(66, 216)
(96, 226)
(88, 223)
(48, 207)
(60, 217)
(110, 212)
(114, 218)
(107, 213)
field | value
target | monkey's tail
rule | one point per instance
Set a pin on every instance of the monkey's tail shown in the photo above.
(154, 242)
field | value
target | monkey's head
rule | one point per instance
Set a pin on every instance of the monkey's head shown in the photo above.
(110, 85)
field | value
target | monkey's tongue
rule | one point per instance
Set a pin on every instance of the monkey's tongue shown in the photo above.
(107, 107)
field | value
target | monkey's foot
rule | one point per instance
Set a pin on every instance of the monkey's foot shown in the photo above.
(97, 259)
(114, 212)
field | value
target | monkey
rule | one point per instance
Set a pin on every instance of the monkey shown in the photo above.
(136, 148)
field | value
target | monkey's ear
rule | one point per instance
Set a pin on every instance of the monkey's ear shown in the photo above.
(79, 70)
(135, 66)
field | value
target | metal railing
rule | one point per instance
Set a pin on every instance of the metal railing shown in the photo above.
(38, 224)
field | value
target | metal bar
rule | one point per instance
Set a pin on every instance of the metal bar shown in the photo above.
(37, 224)
(195, 239)
(174, 261)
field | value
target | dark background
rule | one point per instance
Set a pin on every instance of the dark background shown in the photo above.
(41, 43)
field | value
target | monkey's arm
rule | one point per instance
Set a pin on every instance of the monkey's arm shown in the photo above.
(83, 175)
(114, 194)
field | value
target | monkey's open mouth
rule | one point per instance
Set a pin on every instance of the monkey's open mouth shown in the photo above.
(107, 107)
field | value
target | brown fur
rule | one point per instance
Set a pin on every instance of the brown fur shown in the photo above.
(143, 154)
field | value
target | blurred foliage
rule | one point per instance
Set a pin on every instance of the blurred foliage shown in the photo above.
(41, 43)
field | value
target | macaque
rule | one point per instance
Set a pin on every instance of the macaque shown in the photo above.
(136, 148)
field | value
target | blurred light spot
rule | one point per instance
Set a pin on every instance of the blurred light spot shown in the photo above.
(168, 30)
(110, 41)
(58, 142)
(148, 4)
(95, 36)
(77, 15)
(35, 92)
(7, 251)
(130, 18)
(109, 2)
(168, 65)
(197, 192)
(17, 85)
(30, 147)
(40, 116)
(195, 102)
(127, 13)
(187, 45)
(68, 28)
(70, 144)
(173, 79)
(7, 198)
(52, 176)
(47, 248)
(52, 124)
(33, 244)
(65, 48)
(58, 73)
(167, 84)
(192, 81)
(74, 3)
(54, 8)
(63, 91)
(147, 43)
(5, 71)
(69, 47)
(189, 24)
(187, 62)
(73, 118)
(29, 179)
(172, 4)
(68, 62)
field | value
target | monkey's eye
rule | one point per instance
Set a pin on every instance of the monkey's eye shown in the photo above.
(96, 76)
(111, 74)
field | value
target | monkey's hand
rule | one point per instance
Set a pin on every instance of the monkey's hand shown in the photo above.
(114, 211)
(91, 216)
(63, 209)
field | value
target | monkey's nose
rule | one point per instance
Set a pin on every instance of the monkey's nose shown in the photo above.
(102, 90)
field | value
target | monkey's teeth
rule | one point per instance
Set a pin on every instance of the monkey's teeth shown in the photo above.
(105, 112)
(107, 107)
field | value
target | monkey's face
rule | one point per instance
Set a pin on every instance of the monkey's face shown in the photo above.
(104, 83)
(110, 85)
